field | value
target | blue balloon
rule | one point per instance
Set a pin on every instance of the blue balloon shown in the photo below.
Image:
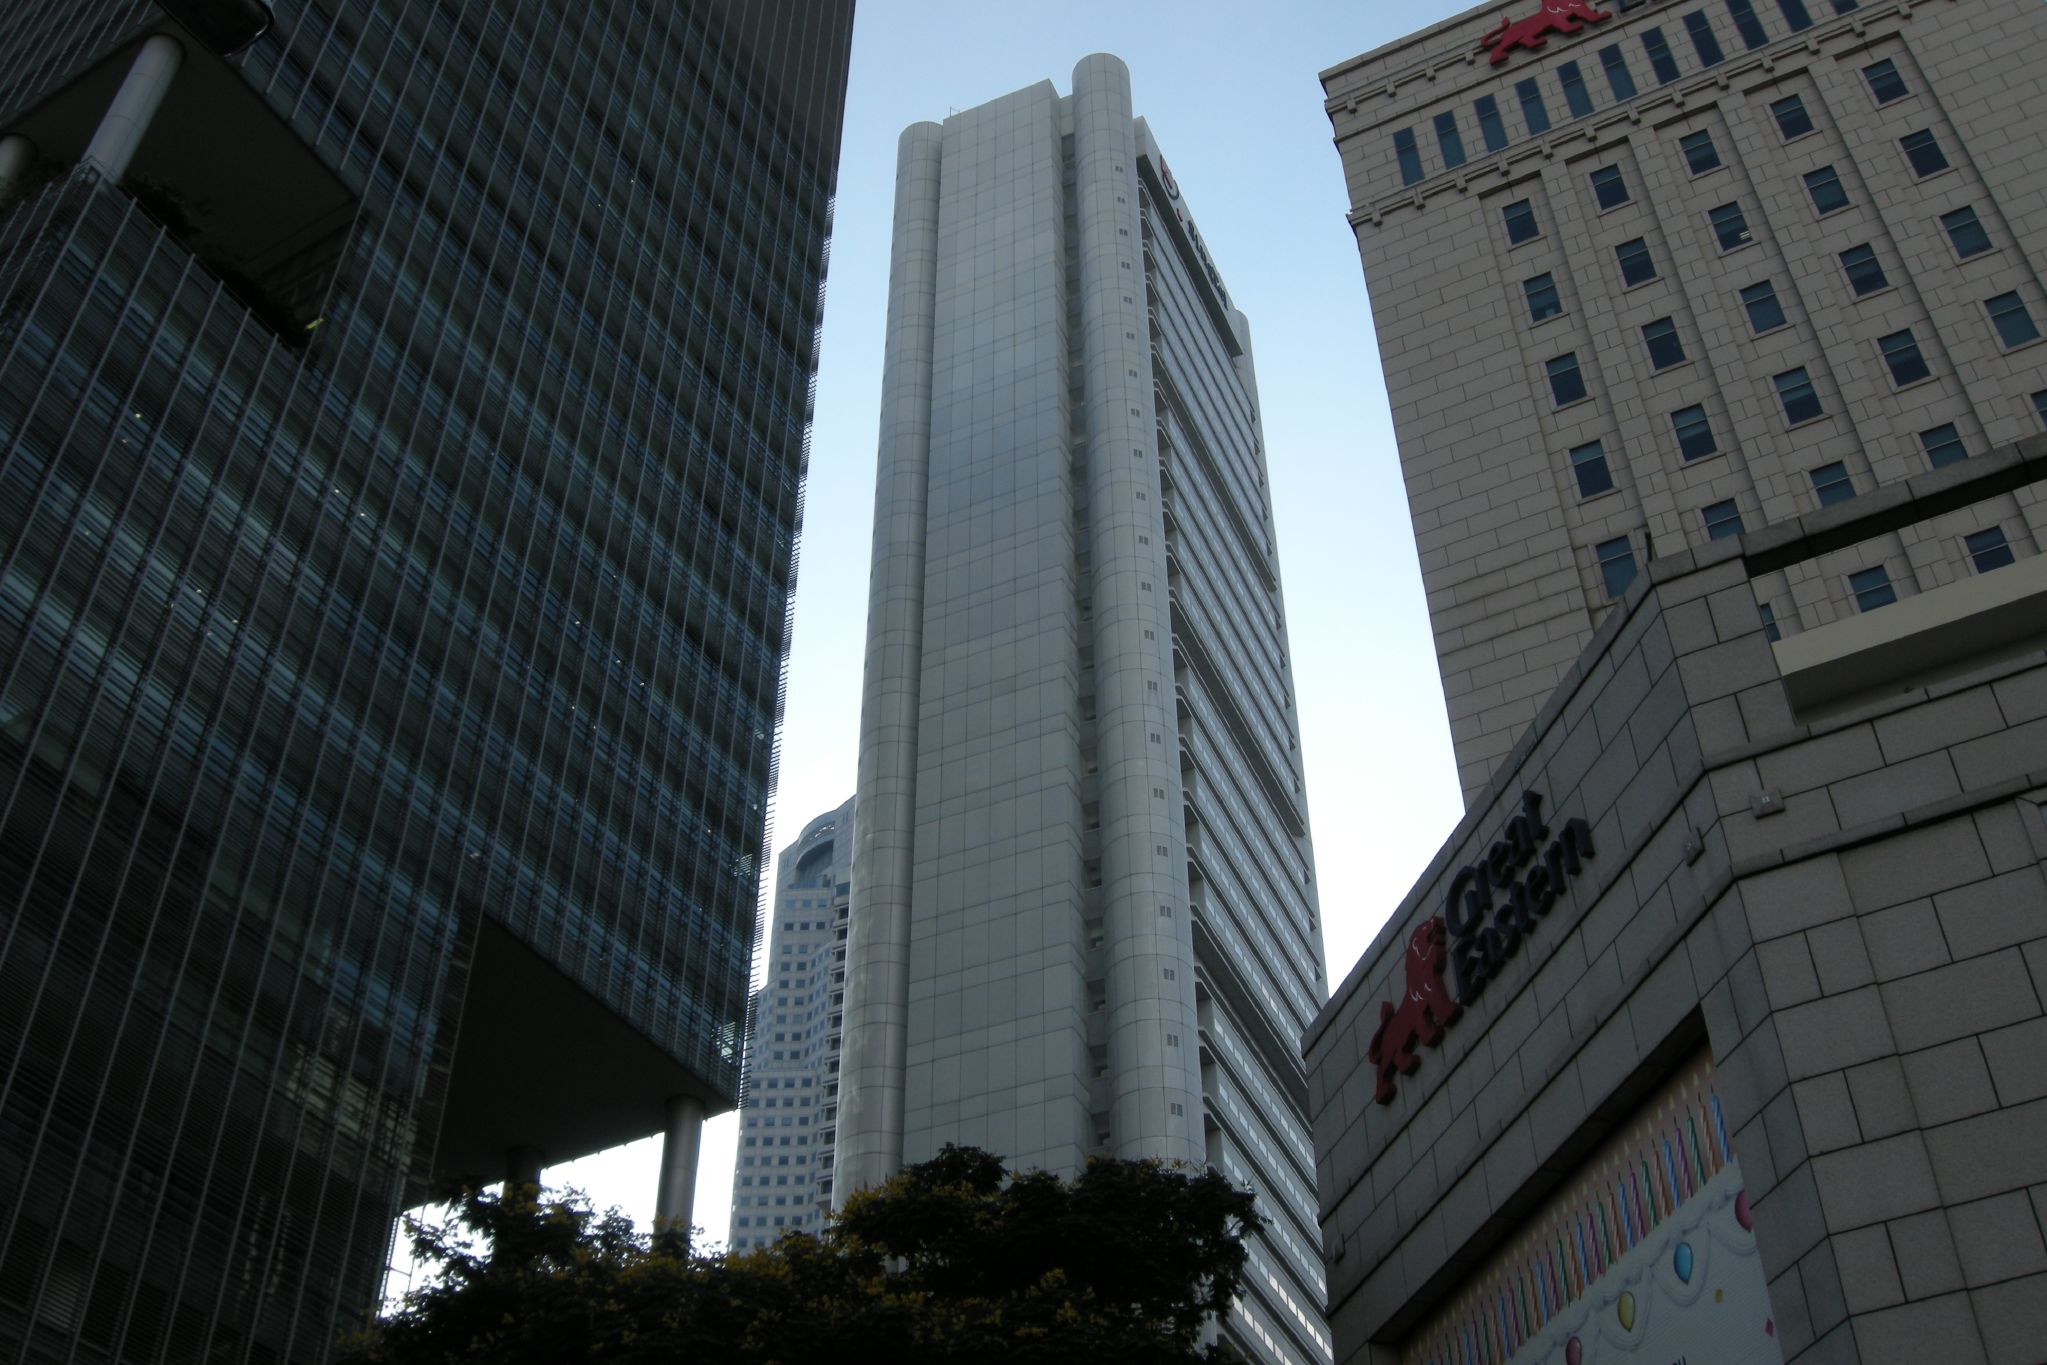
(1682, 1259)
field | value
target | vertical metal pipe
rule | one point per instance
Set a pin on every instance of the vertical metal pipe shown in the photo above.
(871, 1076)
(135, 103)
(675, 1200)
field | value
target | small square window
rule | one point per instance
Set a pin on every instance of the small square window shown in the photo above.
(1831, 484)
(1409, 155)
(1865, 272)
(1576, 97)
(1792, 120)
(1588, 462)
(1872, 589)
(1616, 565)
(1521, 224)
(1566, 383)
(1747, 24)
(1722, 519)
(1901, 354)
(1699, 152)
(1922, 149)
(1824, 185)
(1542, 298)
(1617, 74)
(1769, 615)
(1609, 187)
(1988, 549)
(1532, 112)
(1660, 60)
(1730, 227)
(1796, 15)
(1636, 266)
(2040, 406)
(1965, 232)
(1703, 41)
(1694, 433)
(1795, 392)
(1665, 348)
(1491, 128)
(1943, 445)
(1884, 81)
(2014, 324)
(1449, 140)
(1764, 312)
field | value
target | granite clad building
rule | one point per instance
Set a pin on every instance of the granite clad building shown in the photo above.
(1084, 912)
(1714, 1030)
(402, 434)
(788, 1104)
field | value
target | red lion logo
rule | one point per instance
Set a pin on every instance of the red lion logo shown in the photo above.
(1558, 16)
(1425, 1010)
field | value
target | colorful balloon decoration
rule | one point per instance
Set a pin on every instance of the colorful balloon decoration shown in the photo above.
(1681, 1262)
(1627, 1311)
(1574, 1351)
(1741, 1213)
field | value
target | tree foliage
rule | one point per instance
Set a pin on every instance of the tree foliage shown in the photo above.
(953, 1261)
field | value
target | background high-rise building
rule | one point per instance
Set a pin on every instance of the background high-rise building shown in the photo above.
(402, 441)
(1084, 912)
(1623, 312)
(788, 1104)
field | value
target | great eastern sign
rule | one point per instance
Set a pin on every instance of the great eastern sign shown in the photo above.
(1491, 906)
(1557, 16)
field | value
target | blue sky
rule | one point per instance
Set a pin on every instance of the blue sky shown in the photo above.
(1231, 92)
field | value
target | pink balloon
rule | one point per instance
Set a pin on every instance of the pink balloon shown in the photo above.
(1573, 1352)
(1741, 1213)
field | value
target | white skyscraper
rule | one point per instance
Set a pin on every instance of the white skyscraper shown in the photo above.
(1084, 916)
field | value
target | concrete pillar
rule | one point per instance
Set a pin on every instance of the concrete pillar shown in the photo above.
(872, 1071)
(522, 1166)
(135, 103)
(676, 1198)
(17, 154)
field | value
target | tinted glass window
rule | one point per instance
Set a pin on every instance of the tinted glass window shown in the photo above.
(1830, 484)
(1764, 312)
(1566, 383)
(1521, 224)
(1747, 24)
(1795, 392)
(1865, 272)
(1665, 349)
(1884, 81)
(1491, 128)
(1703, 41)
(1694, 433)
(1409, 156)
(1532, 112)
(1965, 232)
(1636, 267)
(1792, 120)
(1609, 188)
(1730, 227)
(2013, 323)
(1542, 298)
(1699, 152)
(1448, 138)
(1825, 188)
(1660, 60)
(1588, 462)
(1901, 355)
(1943, 445)
(1617, 74)
(1576, 96)
(1922, 149)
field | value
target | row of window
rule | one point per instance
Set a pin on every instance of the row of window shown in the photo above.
(1885, 82)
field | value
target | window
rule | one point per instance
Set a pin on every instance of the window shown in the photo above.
(1843, 6)
(1408, 155)
(1825, 188)
(1576, 96)
(1694, 433)
(1448, 138)
(1865, 272)
(1636, 267)
(1609, 187)
(1769, 615)
(1665, 349)
(1730, 227)
(1792, 120)
(1491, 128)
(1943, 445)
(2013, 323)
(2040, 406)
(1746, 24)
(1703, 41)
(1831, 484)
(1764, 312)
(1988, 549)
(1922, 149)
(1872, 589)
(1699, 152)
(1521, 224)
(1532, 112)
(1542, 298)
(1795, 392)
(1901, 353)
(1795, 14)
(1566, 383)
(1723, 519)
(1884, 81)
(1965, 232)
(1616, 565)
(1588, 462)
(1660, 60)
(1617, 74)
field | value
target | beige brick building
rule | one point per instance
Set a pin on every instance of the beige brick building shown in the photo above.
(1691, 270)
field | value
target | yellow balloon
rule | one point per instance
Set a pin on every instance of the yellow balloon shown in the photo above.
(1627, 1310)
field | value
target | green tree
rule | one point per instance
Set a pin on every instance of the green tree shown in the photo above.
(953, 1261)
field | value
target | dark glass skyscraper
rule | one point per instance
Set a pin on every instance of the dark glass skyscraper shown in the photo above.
(403, 425)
